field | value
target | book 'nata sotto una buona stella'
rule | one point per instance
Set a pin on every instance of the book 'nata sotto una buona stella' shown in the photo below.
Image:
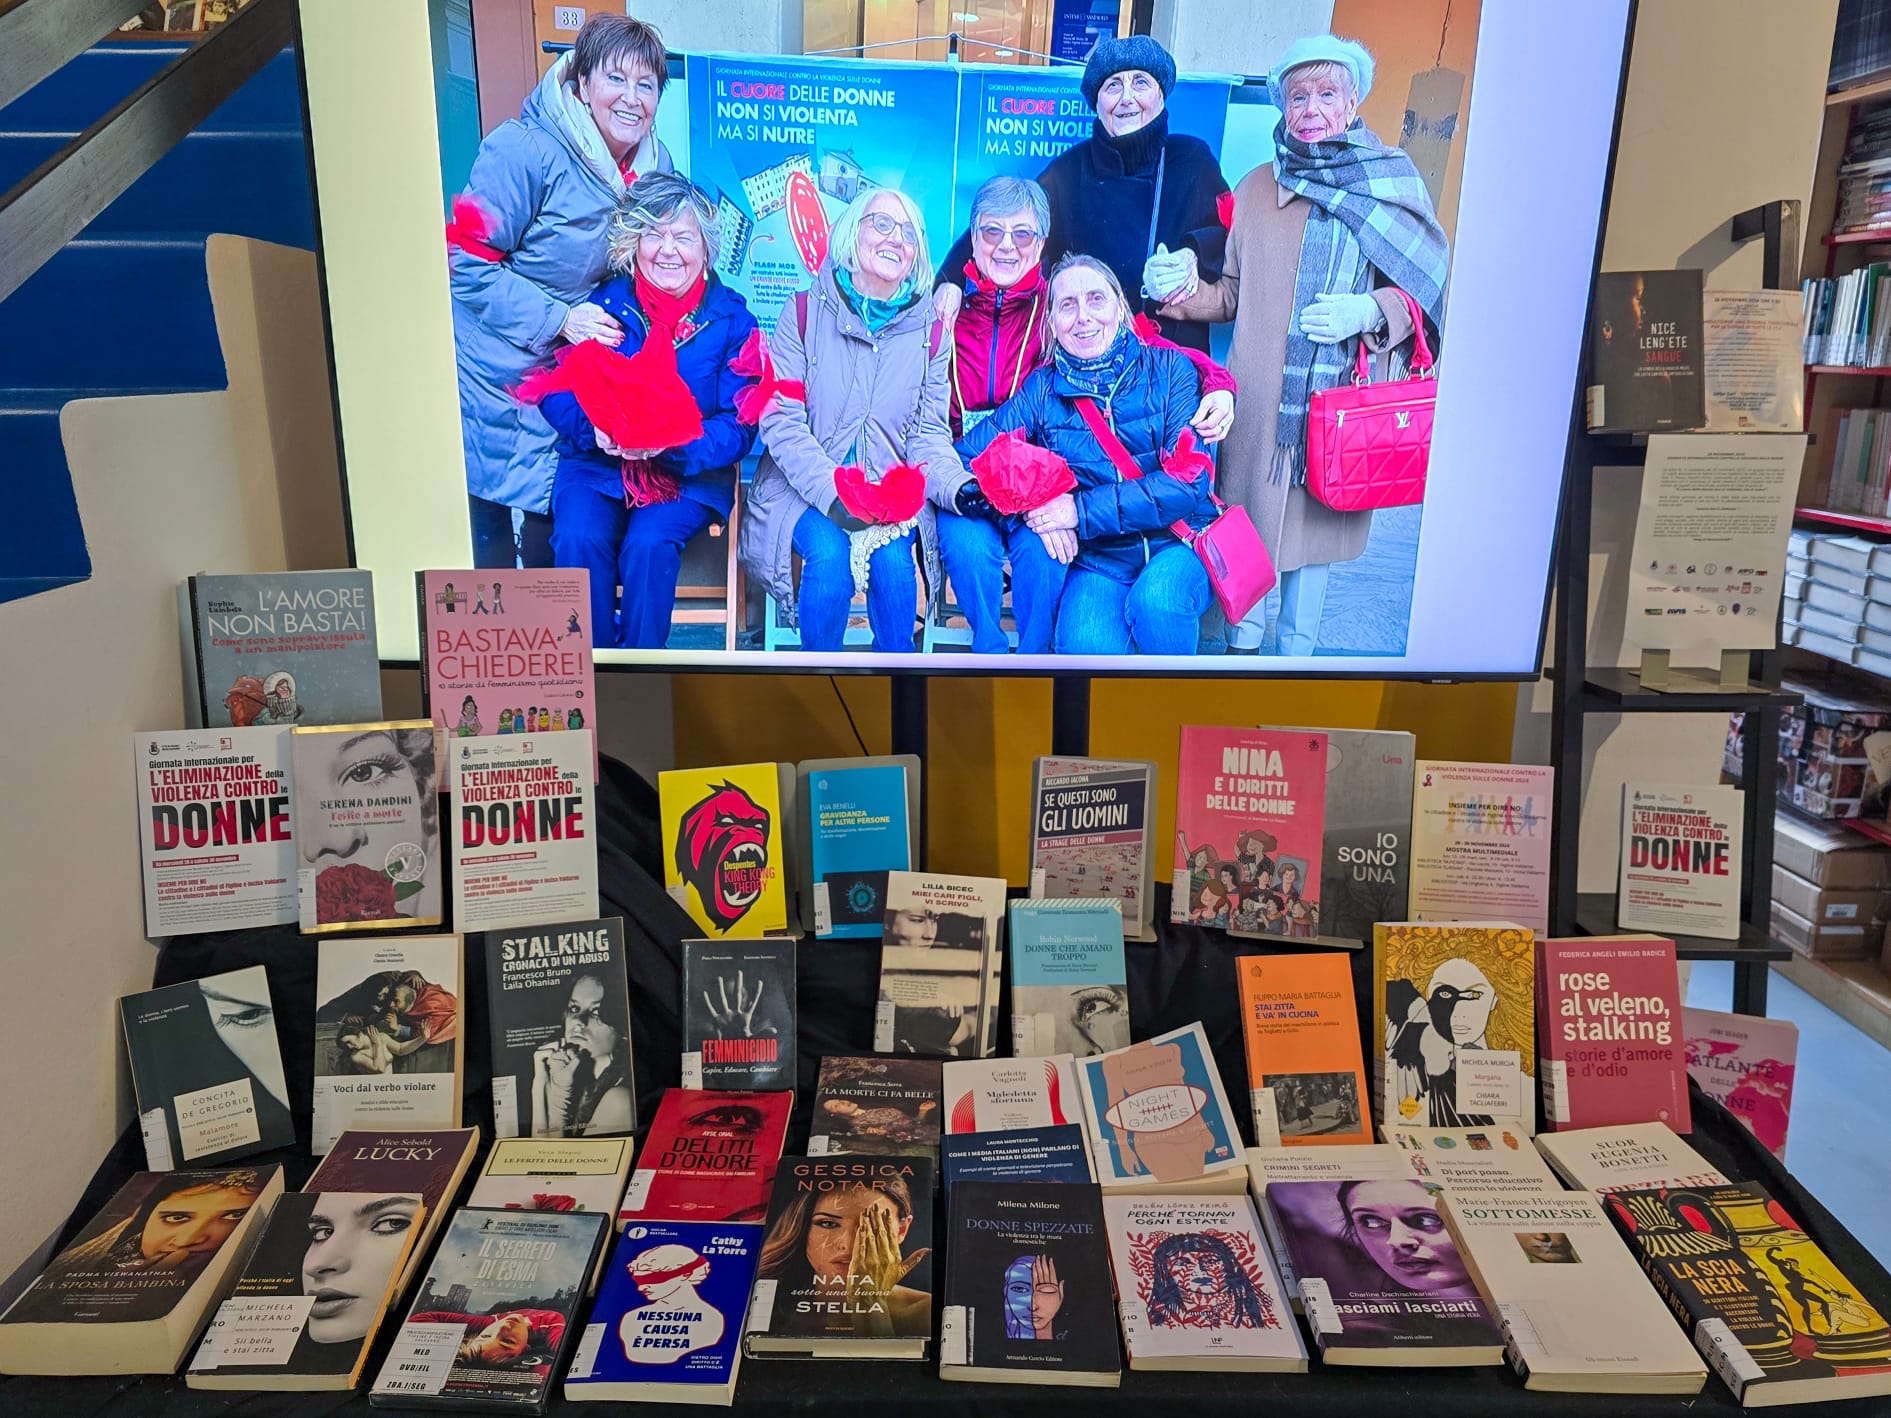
(524, 846)
(1645, 353)
(667, 1327)
(367, 826)
(558, 1000)
(846, 1268)
(507, 651)
(432, 1164)
(1636, 1155)
(1158, 1119)
(216, 828)
(389, 1035)
(1488, 1163)
(1454, 1024)
(863, 817)
(1777, 1320)
(1250, 809)
(1092, 827)
(1306, 1075)
(1746, 1063)
(739, 1014)
(940, 965)
(1381, 1280)
(708, 1156)
(1196, 1286)
(1069, 980)
(134, 1290)
(497, 1313)
(1609, 1011)
(725, 858)
(312, 1293)
(1372, 1161)
(1028, 1289)
(1481, 842)
(206, 1070)
(1366, 863)
(868, 1104)
(1680, 865)
(1575, 1313)
(280, 647)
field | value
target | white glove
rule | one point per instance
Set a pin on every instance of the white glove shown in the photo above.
(1332, 318)
(1169, 275)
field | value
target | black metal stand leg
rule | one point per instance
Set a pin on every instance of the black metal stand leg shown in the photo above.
(909, 736)
(1749, 986)
(1070, 716)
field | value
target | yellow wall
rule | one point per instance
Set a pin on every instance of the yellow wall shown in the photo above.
(984, 734)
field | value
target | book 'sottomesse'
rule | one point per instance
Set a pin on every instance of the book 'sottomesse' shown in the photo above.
(524, 838)
(739, 1014)
(1645, 358)
(367, 825)
(279, 647)
(1091, 834)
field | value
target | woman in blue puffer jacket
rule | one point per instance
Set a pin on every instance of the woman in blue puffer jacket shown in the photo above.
(1134, 586)
(625, 514)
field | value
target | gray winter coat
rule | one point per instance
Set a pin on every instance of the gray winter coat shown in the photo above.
(872, 400)
(548, 185)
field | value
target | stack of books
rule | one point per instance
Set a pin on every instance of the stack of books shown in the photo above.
(1864, 179)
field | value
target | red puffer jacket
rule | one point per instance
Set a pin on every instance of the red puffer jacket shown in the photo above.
(995, 344)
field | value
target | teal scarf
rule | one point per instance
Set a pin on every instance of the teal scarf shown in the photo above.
(877, 314)
(1098, 377)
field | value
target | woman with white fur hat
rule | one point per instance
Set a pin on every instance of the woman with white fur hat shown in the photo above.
(1320, 243)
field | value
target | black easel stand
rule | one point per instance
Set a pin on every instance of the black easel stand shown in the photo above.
(909, 736)
(1070, 716)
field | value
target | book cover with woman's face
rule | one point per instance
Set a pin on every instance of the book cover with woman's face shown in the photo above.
(367, 825)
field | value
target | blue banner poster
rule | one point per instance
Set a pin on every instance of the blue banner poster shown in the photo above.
(787, 143)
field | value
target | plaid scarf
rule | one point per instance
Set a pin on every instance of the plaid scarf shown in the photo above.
(1371, 213)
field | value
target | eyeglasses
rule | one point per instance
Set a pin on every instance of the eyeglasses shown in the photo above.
(886, 226)
(1021, 236)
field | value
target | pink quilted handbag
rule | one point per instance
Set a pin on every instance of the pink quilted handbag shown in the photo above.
(1368, 444)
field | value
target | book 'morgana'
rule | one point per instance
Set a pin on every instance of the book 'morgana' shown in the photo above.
(1747, 1063)
(739, 1014)
(206, 1070)
(1635, 1155)
(558, 1001)
(1092, 834)
(389, 1035)
(1250, 814)
(1001, 1095)
(1777, 1320)
(367, 826)
(863, 819)
(1306, 1075)
(279, 647)
(667, 1327)
(940, 964)
(1680, 864)
(709, 1156)
(1645, 356)
(1381, 1280)
(1481, 842)
(1612, 1052)
(725, 861)
(1157, 1117)
(524, 842)
(134, 1290)
(507, 651)
(846, 1268)
(431, 1164)
(868, 1104)
(496, 1315)
(312, 1293)
(216, 829)
(1028, 1288)
(1487, 1163)
(1069, 980)
(1454, 1024)
(1050, 1154)
(1576, 1316)
(1196, 1287)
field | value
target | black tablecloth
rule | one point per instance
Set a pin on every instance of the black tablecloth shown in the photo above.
(1186, 975)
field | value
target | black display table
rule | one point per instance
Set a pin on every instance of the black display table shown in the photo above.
(1186, 975)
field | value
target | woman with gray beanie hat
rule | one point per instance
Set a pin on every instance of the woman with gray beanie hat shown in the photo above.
(1129, 190)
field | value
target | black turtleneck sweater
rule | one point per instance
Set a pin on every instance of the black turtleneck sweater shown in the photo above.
(1101, 192)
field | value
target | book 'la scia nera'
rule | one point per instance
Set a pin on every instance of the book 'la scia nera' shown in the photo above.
(524, 838)
(280, 647)
(1250, 809)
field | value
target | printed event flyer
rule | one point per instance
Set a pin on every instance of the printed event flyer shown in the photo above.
(523, 849)
(1481, 843)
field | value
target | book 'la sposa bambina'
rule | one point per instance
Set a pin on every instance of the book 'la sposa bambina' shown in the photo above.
(524, 841)
(367, 826)
(279, 647)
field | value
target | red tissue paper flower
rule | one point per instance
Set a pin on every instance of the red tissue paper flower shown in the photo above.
(553, 1201)
(471, 229)
(753, 361)
(1185, 460)
(1224, 208)
(896, 498)
(1017, 476)
(638, 400)
(353, 893)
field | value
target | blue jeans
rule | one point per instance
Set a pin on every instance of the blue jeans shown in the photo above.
(827, 588)
(494, 544)
(1160, 614)
(975, 550)
(638, 548)
(1302, 601)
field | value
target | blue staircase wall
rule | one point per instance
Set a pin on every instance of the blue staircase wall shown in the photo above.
(124, 308)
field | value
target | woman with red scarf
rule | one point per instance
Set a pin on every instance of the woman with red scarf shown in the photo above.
(631, 491)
